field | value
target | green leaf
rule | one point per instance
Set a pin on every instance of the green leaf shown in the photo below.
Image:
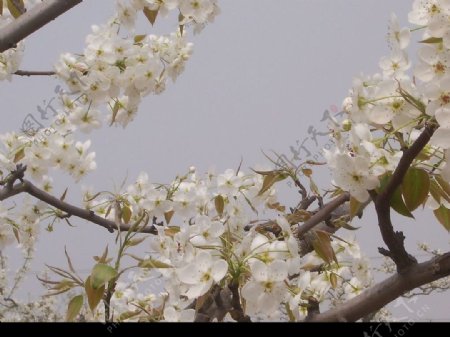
(151, 15)
(415, 188)
(219, 203)
(74, 308)
(432, 40)
(151, 263)
(435, 191)
(443, 216)
(101, 274)
(16, 7)
(398, 204)
(94, 296)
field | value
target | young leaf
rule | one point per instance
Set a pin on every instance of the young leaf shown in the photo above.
(219, 203)
(151, 263)
(69, 262)
(101, 274)
(74, 307)
(115, 110)
(151, 15)
(355, 206)
(94, 296)
(323, 248)
(333, 280)
(415, 188)
(128, 314)
(16, 234)
(313, 187)
(104, 256)
(432, 40)
(168, 216)
(16, 7)
(64, 194)
(1, 7)
(180, 19)
(271, 179)
(443, 216)
(137, 39)
(307, 172)
(19, 155)
(299, 215)
(277, 206)
(444, 185)
(126, 213)
(135, 242)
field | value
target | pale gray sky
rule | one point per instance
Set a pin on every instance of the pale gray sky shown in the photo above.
(260, 76)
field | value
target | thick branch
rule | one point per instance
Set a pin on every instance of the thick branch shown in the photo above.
(323, 214)
(395, 240)
(71, 210)
(34, 73)
(32, 20)
(378, 296)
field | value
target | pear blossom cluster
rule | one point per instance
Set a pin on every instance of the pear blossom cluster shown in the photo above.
(119, 67)
(49, 148)
(208, 243)
(387, 111)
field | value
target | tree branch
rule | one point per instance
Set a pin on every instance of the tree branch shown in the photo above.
(28, 187)
(32, 20)
(395, 240)
(34, 73)
(323, 214)
(388, 290)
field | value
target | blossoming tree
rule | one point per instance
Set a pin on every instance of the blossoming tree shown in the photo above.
(217, 258)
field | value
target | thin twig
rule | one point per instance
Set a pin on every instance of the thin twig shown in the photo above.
(323, 214)
(34, 73)
(89, 215)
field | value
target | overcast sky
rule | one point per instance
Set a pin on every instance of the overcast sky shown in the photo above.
(259, 78)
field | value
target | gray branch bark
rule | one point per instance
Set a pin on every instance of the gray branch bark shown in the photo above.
(388, 290)
(32, 20)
